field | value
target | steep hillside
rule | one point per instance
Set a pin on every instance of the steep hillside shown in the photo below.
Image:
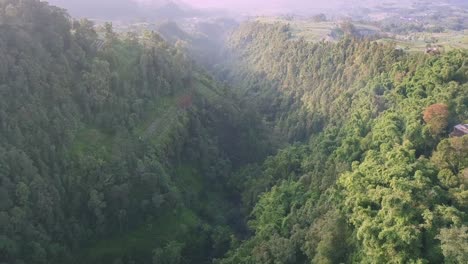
(301, 86)
(376, 179)
(118, 148)
(112, 147)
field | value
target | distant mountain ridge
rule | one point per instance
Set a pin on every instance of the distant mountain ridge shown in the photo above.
(126, 9)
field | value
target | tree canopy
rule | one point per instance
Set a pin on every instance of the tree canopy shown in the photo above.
(118, 148)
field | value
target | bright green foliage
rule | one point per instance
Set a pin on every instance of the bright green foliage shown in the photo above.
(272, 220)
(454, 244)
(452, 154)
(387, 196)
(116, 148)
(374, 193)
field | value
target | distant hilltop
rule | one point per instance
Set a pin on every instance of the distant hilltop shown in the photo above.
(126, 9)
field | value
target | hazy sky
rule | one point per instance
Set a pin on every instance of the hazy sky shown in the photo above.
(248, 5)
(119, 8)
(253, 3)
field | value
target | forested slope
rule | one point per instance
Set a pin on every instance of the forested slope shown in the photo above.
(374, 177)
(112, 147)
(301, 86)
(117, 148)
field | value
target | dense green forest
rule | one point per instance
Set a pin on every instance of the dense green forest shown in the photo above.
(118, 148)
(372, 176)
(113, 147)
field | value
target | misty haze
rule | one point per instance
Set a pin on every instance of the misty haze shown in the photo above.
(233, 132)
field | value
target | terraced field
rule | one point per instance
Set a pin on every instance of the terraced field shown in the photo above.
(417, 41)
(317, 31)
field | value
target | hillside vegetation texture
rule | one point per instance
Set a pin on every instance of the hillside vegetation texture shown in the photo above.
(118, 148)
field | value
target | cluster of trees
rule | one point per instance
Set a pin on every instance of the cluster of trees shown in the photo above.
(92, 141)
(374, 177)
(309, 84)
(116, 148)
